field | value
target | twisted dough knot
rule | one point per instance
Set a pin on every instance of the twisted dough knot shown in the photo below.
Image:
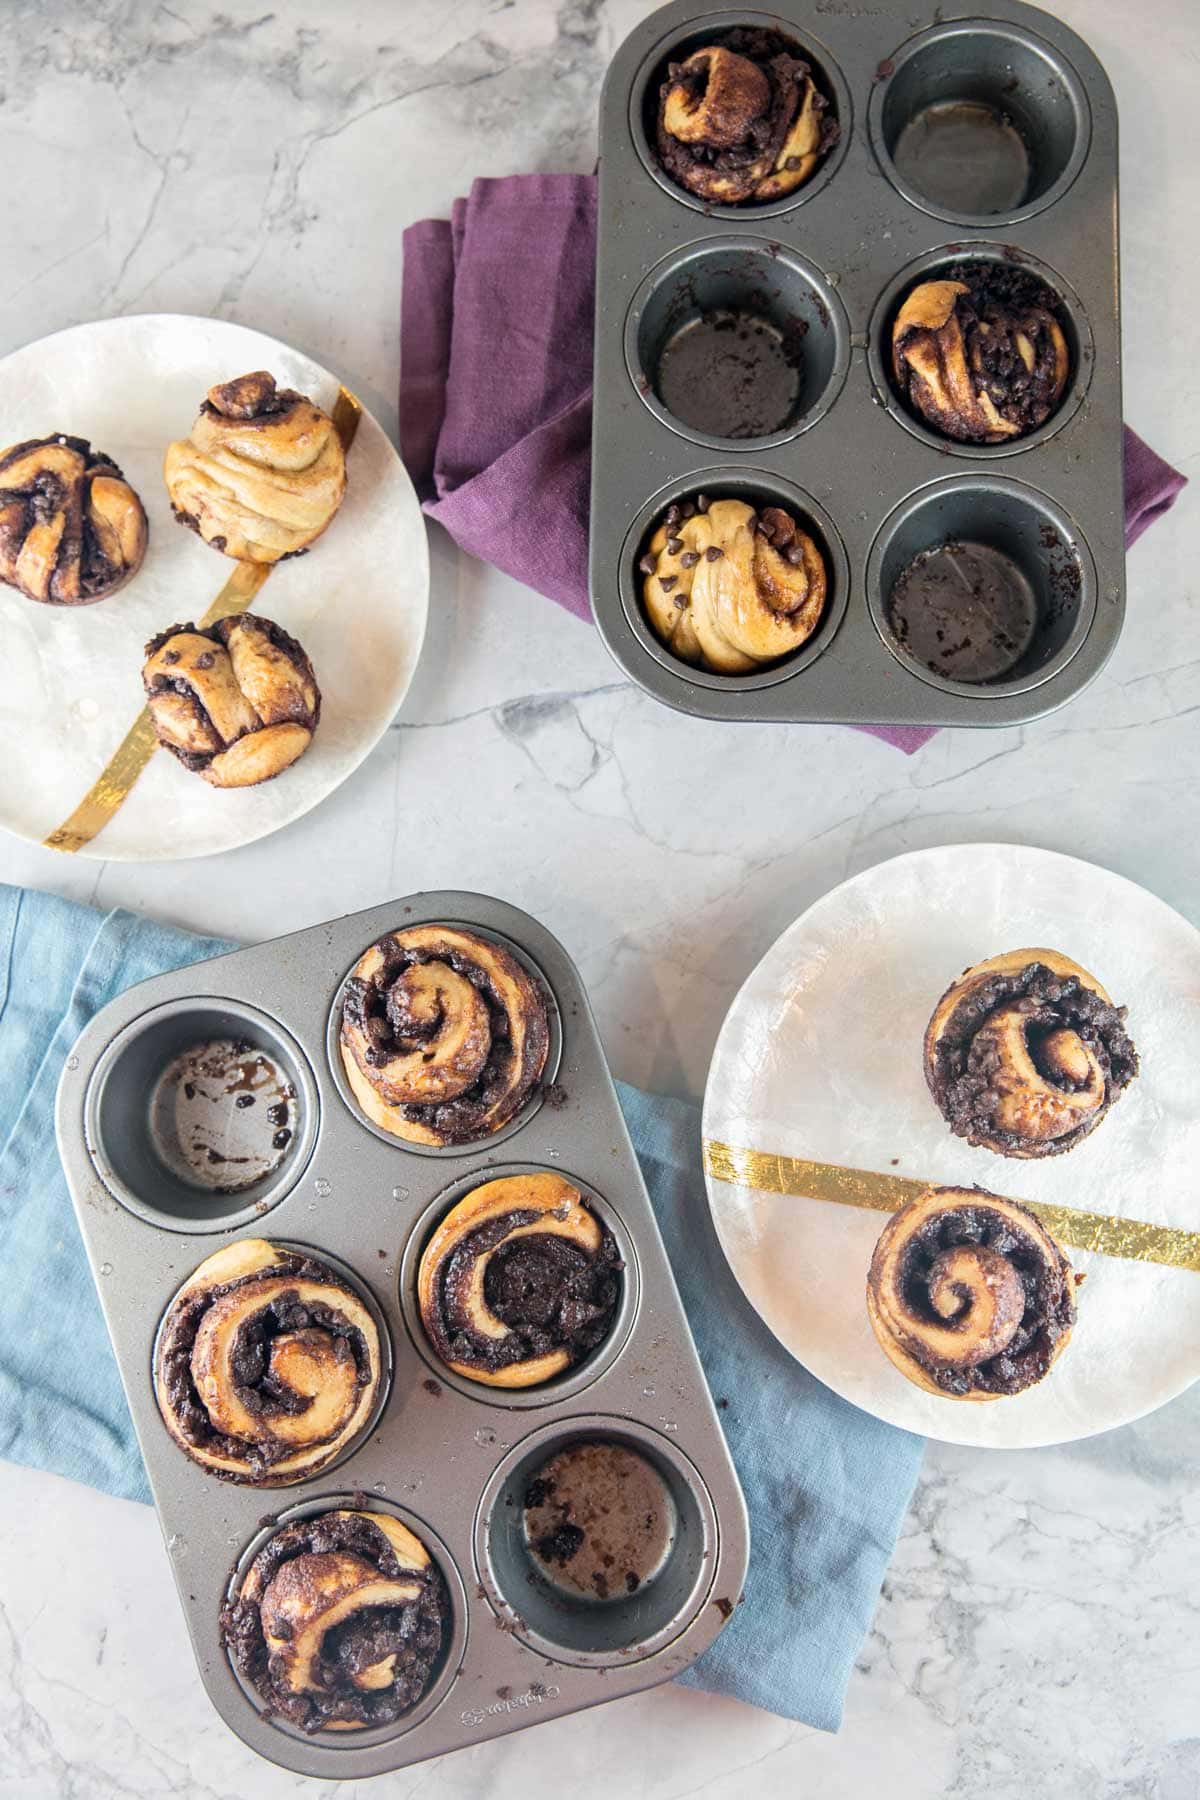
(238, 703)
(977, 365)
(518, 1282)
(1026, 1052)
(262, 472)
(730, 588)
(969, 1295)
(267, 1365)
(444, 1035)
(339, 1621)
(742, 120)
(72, 530)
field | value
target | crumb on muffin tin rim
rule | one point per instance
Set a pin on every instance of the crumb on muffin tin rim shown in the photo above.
(692, 35)
(471, 1146)
(1029, 41)
(1078, 333)
(736, 247)
(574, 1380)
(755, 486)
(453, 1648)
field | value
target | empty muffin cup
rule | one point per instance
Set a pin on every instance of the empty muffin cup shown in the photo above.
(595, 1541)
(979, 121)
(735, 343)
(982, 586)
(201, 1115)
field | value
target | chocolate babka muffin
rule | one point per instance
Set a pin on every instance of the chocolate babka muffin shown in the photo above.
(72, 530)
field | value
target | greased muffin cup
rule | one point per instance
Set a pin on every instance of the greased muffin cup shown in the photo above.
(756, 339)
(343, 1209)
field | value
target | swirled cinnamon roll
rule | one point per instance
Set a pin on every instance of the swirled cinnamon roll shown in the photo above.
(444, 1035)
(741, 119)
(519, 1282)
(969, 1295)
(261, 474)
(237, 701)
(981, 357)
(72, 530)
(1026, 1052)
(267, 1365)
(732, 588)
(339, 1622)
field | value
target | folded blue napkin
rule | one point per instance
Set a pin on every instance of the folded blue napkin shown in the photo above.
(826, 1485)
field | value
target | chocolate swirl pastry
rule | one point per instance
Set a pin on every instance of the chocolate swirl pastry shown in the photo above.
(981, 357)
(742, 119)
(1025, 1054)
(519, 1282)
(339, 1622)
(72, 530)
(267, 1365)
(237, 701)
(444, 1036)
(969, 1295)
(730, 588)
(262, 473)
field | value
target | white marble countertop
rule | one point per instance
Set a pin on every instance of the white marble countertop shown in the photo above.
(1038, 1629)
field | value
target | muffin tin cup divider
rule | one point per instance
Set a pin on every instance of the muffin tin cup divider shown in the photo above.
(434, 1449)
(858, 461)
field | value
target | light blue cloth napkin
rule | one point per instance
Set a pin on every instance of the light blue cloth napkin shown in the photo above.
(827, 1486)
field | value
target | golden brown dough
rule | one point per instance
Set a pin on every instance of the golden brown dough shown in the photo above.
(72, 530)
(262, 473)
(730, 588)
(237, 702)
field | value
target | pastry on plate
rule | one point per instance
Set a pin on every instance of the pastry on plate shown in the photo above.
(969, 1295)
(519, 1282)
(741, 119)
(1025, 1054)
(731, 587)
(236, 701)
(262, 472)
(72, 530)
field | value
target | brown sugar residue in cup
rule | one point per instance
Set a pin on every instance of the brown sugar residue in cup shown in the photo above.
(599, 1521)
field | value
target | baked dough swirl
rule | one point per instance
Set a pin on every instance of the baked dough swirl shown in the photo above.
(261, 474)
(741, 119)
(339, 1622)
(1025, 1053)
(237, 702)
(444, 1036)
(731, 588)
(519, 1282)
(981, 358)
(267, 1365)
(72, 530)
(969, 1295)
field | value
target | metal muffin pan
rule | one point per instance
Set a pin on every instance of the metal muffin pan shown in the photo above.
(852, 462)
(441, 1454)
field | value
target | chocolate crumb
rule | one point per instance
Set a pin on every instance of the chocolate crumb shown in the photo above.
(432, 1387)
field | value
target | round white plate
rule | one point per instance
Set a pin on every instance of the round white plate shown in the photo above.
(820, 1058)
(70, 677)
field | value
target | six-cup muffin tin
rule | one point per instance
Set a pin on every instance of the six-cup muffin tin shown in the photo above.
(833, 260)
(449, 1457)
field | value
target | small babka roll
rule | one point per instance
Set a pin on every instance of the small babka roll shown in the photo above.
(983, 358)
(969, 1295)
(1025, 1054)
(519, 1282)
(237, 702)
(72, 530)
(340, 1621)
(262, 473)
(267, 1365)
(444, 1035)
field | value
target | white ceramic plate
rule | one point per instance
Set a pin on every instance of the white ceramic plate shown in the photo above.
(70, 677)
(820, 1058)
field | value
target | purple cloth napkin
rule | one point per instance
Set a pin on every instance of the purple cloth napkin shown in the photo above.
(496, 387)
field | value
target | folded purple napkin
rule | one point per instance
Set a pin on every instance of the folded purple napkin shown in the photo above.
(496, 386)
